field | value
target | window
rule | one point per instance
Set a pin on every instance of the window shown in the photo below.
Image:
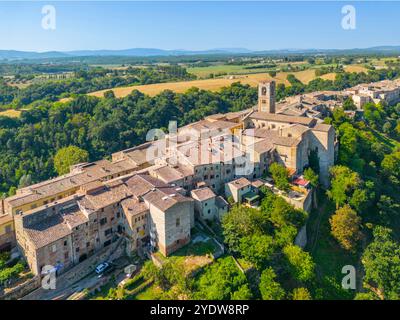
(77, 249)
(108, 232)
(8, 229)
(206, 204)
(66, 255)
(103, 221)
(87, 244)
(65, 243)
(209, 211)
(54, 248)
(118, 214)
(178, 222)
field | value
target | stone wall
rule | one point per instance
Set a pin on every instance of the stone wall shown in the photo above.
(22, 289)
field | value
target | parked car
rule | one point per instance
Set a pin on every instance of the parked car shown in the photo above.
(102, 267)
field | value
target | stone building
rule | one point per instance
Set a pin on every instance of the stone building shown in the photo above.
(142, 194)
(138, 207)
(7, 233)
(383, 91)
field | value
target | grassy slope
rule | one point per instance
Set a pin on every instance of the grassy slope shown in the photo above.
(329, 257)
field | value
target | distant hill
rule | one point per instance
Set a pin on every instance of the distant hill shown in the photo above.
(153, 52)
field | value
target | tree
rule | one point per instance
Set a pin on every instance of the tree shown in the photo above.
(348, 137)
(220, 281)
(301, 294)
(241, 222)
(283, 214)
(269, 288)
(381, 260)
(387, 127)
(285, 235)
(311, 176)
(243, 293)
(391, 166)
(25, 181)
(349, 104)
(345, 227)
(280, 175)
(313, 161)
(66, 157)
(343, 183)
(299, 263)
(388, 209)
(109, 94)
(257, 249)
(398, 128)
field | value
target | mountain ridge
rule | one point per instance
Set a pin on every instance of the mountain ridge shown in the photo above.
(149, 52)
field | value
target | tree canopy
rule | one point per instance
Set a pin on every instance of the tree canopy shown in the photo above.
(68, 156)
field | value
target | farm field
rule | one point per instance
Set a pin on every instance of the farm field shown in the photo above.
(205, 72)
(11, 113)
(216, 84)
(213, 84)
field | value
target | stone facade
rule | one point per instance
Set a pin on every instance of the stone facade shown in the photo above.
(142, 194)
(67, 232)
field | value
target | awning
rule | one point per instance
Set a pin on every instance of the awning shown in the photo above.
(251, 196)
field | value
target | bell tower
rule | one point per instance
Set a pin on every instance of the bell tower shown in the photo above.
(266, 96)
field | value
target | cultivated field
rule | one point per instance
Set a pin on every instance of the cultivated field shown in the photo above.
(11, 113)
(213, 84)
(355, 68)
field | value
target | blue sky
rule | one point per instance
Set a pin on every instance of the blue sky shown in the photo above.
(197, 25)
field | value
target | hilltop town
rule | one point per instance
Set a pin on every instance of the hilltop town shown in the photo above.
(152, 195)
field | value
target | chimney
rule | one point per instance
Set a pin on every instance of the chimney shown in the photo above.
(266, 96)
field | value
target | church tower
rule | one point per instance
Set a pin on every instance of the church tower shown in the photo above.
(266, 96)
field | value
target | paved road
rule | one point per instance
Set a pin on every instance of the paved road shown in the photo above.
(79, 276)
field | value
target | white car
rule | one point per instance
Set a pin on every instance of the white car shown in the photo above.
(102, 267)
